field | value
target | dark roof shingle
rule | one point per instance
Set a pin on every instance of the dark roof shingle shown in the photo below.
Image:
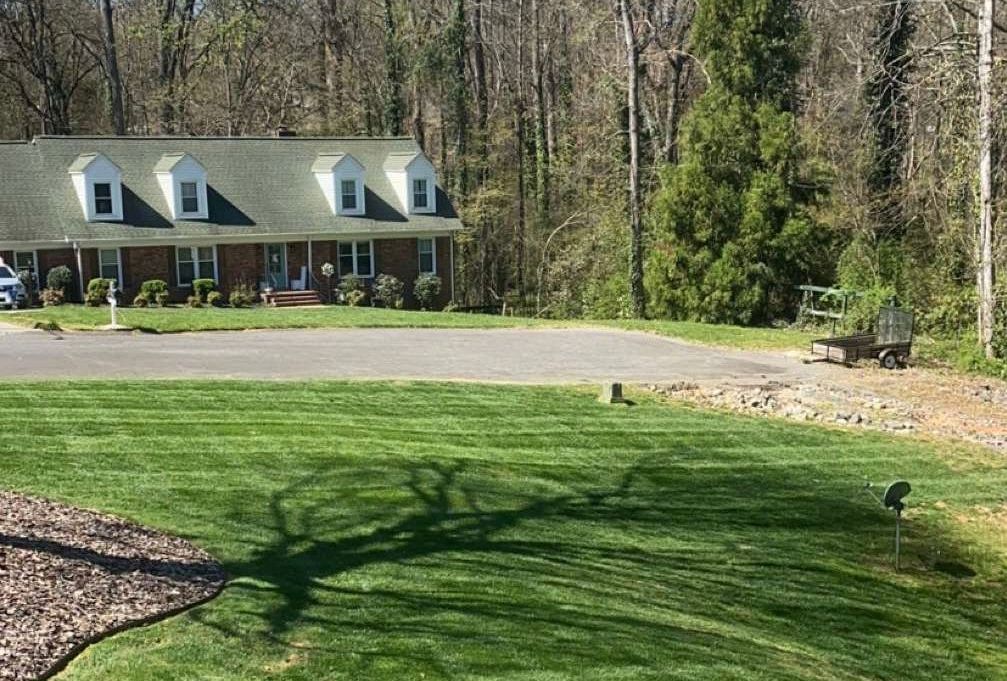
(256, 186)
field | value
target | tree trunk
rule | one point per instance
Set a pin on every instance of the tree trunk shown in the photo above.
(481, 93)
(112, 70)
(458, 95)
(519, 130)
(633, 111)
(541, 143)
(393, 75)
(984, 248)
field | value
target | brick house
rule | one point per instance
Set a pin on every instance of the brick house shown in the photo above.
(266, 211)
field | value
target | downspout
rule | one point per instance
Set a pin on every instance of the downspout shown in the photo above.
(451, 238)
(80, 270)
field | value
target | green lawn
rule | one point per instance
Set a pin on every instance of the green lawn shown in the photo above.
(174, 320)
(422, 531)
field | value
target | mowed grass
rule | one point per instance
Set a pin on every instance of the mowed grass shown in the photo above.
(423, 531)
(176, 320)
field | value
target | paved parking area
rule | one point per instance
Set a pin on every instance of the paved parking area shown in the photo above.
(506, 355)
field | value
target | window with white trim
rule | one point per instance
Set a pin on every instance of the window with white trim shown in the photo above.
(195, 262)
(349, 194)
(110, 265)
(428, 256)
(103, 199)
(356, 257)
(189, 192)
(420, 196)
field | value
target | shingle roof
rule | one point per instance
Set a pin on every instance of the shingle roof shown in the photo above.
(256, 186)
(399, 161)
(81, 163)
(326, 162)
(168, 161)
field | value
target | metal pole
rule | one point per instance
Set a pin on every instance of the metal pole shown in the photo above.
(898, 539)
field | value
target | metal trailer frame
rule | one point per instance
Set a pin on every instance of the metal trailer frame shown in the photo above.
(891, 345)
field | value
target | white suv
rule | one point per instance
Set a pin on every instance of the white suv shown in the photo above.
(12, 291)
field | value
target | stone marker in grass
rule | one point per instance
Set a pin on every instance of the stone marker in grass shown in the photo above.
(611, 393)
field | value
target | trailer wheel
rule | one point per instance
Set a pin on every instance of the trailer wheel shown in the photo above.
(889, 360)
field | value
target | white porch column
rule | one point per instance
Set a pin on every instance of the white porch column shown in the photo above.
(309, 283)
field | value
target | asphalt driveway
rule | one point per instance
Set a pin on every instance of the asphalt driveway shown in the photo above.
(506, 355)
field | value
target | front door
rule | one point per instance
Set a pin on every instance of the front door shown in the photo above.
(276, 266)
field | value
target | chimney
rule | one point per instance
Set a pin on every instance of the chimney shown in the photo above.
(284, 131)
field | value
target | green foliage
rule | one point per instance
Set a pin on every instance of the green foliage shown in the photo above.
(51, 297)
(150, 288)
(350, 283)
(215, 299)
(889, 119)
(862, 312)
(388, 291)
(242, 295)
(202, 288)
(394, 106)
(140, 300)
(732, 231)
(426, 288)
(751, 48)
(162, 298)
(356, 298)
(59, 278)
(97, 292)
(608, 298)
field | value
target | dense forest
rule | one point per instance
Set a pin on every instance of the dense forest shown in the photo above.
(610, 158)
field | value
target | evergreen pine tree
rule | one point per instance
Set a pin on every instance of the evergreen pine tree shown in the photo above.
(731, 232)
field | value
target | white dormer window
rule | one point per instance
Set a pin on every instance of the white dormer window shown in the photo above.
(421, 198)
(341, 179)
(103, 203)
(183, 182)
(190, 196)
(98, 185)
(348, 195)
(412, 176)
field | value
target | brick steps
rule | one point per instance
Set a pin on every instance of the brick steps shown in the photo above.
(293, 299)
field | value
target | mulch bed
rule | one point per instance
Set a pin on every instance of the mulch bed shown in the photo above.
(69, 576)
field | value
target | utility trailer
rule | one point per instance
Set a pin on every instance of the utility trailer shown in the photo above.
(891, 345)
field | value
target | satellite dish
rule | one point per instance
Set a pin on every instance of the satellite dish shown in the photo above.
(895, 493)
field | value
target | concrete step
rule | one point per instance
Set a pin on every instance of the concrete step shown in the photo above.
(294, 299)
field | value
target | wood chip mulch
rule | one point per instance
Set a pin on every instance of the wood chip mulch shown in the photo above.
(69, 576)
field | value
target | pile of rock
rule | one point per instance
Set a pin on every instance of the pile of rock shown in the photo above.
(68, 576)
(800, 402)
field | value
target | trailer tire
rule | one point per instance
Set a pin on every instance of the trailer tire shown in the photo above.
(889, 360)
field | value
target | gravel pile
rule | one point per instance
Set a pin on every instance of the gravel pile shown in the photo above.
(944, 404)
(67, 576)
(801, 402)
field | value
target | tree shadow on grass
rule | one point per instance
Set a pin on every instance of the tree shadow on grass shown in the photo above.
(169, 569)
(754, 570)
